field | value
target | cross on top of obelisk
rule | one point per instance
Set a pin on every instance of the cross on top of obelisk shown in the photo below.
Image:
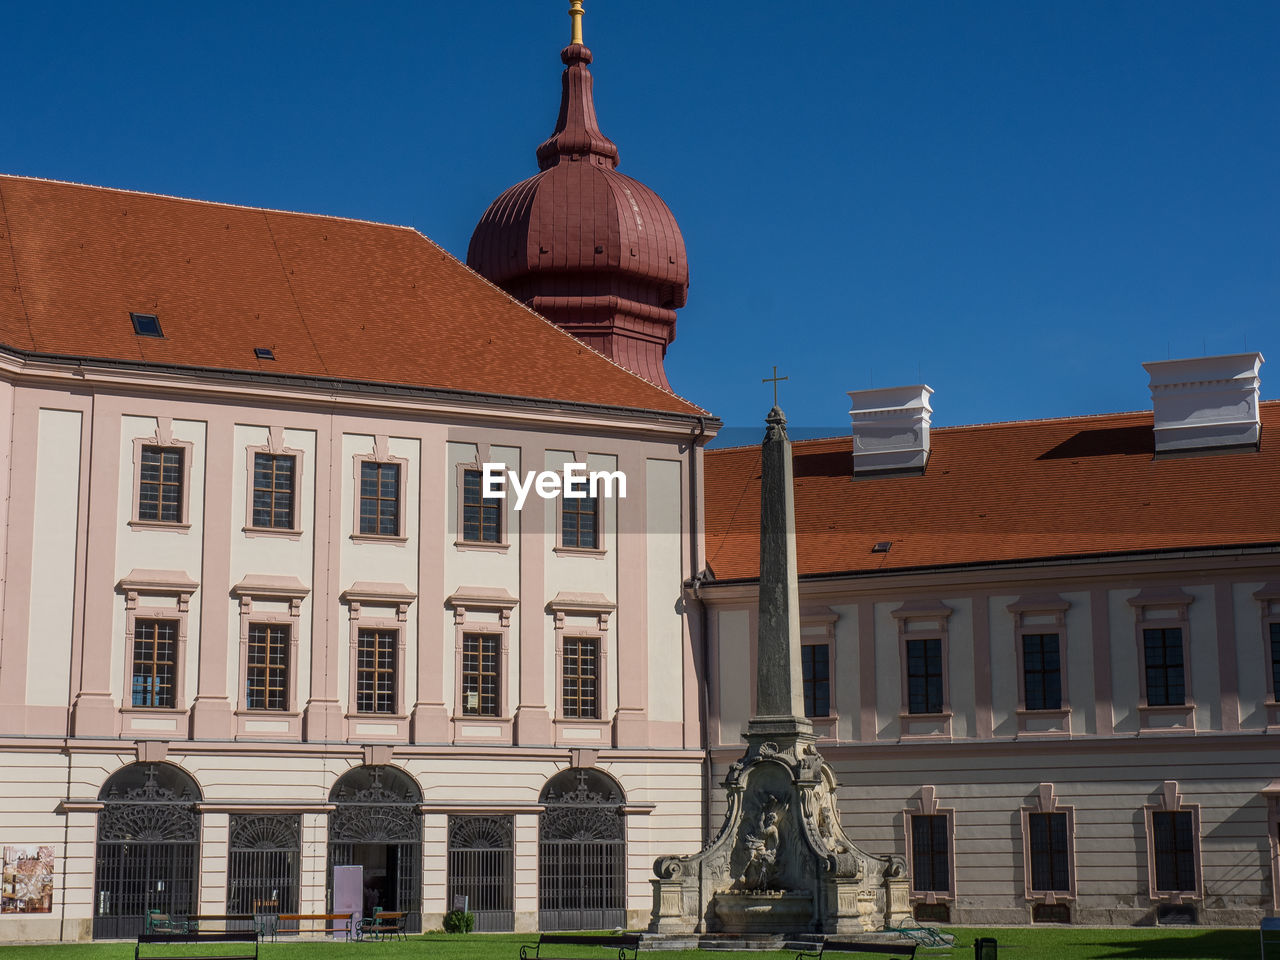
(774, 380)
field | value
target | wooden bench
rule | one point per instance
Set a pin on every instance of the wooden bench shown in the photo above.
(239, 937)
(208, 921)
(903, 950)
(330, 923)
(158, 922)
(384, 924)
(622, 942)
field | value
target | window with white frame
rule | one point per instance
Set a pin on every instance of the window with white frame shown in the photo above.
(930, 832)
(1048, 848)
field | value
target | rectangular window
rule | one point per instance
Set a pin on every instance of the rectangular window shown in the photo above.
(815, 663)
(480, 674)
(1041, 672)
(579, 518)
(380, 498)
(160, 484)
(376, 671)
(155, 652)
(267, 667)
(1050, 869)
(273, 483)
(924, 675)
(581, 676)
(1173, 836)
(1162, 651)
(1275, 661)
(929, 853)
(481, 516)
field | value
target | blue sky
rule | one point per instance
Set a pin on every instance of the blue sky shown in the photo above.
(1016, 203)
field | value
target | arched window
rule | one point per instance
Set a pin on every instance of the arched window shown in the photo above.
(148, 848)
(481, 869)
(582, 852)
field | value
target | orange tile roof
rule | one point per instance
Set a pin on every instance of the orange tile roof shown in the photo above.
(332, 297)
(1001, 492)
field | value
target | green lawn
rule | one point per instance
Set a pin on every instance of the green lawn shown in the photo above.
(1018, 943)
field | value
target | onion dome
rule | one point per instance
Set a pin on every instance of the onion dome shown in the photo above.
(594, 251)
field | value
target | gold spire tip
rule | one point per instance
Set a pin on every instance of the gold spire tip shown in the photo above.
(575, 14)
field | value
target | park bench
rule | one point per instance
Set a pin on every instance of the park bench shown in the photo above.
(228, 922)
(906, 951)
(158, 922)
(384, 924)
(330, 923)
(925, 936)
(239, 939)
(622, 942)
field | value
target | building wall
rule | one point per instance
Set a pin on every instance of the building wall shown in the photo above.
(1108, 755)
(81, 566)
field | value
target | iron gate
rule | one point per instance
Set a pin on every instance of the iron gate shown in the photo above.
(582, 853)
(378, 807)
(148, 848)
(262, 871)
(481, 868)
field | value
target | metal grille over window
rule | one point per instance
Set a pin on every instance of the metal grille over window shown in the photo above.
(579, 517)
(929, 853)
(380, 498)
(267, 667)
(376, 671)
(480, 674)
(582, 853)
(273, 478)
(581, 673)
(1162, 650)
(376, 824)
(481, 869)
(924, 675)
(155, 652)
(1175, 843)
(148, 848)
(1048, 842)
(1042, 673)
(815, 664)
(263, 869)
(160, 485)
(481, 515)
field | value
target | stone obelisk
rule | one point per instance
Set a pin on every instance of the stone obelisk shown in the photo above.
(781, 863)
(779, 685)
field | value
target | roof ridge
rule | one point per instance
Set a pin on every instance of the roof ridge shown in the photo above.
(560, 330)
(206, 203)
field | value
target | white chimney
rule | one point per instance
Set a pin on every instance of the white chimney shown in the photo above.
(890, 429)
(1206, 402)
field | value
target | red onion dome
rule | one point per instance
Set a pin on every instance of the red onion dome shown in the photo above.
(591, 249)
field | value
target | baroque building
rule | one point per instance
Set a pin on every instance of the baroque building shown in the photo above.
(1043, 657)
(261, 617)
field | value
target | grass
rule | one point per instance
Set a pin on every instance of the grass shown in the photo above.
(1016, 943)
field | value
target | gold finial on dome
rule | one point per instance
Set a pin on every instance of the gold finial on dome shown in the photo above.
(575, 14)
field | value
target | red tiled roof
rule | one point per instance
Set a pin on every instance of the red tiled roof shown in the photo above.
(331, 297)
(1001, 492)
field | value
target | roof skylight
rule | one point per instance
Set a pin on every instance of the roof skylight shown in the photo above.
(146, 325)
(264, 353)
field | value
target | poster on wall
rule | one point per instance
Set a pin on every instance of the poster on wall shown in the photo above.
(26, 880)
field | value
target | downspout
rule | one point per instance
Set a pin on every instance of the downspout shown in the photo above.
(696, 584)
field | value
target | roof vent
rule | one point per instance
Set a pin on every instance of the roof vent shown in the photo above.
(146, 325)
(1205, 403)
(890, 429)
(264, 353)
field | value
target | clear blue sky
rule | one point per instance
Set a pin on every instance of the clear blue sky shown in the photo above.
(1014, 202)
